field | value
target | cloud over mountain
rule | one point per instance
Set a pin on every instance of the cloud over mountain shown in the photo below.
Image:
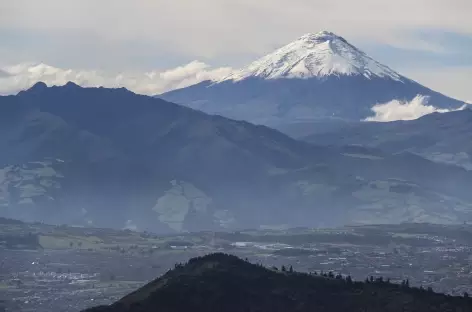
(404, 110)
(22, 76)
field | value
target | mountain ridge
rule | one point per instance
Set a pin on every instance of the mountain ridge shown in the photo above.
(441, 137)
(316, 77)
(112, 158)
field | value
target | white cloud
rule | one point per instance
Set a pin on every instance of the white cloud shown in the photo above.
(22, 76)
(403, 110)
(123, 34)
(190, 74)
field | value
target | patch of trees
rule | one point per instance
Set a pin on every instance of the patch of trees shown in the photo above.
(27, 241)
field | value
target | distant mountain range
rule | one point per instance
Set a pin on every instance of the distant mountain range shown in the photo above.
(441, 137)
(220, 282)
(109, 157)
(318, 76)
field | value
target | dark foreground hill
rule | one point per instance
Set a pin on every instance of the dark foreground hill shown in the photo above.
(220, 282)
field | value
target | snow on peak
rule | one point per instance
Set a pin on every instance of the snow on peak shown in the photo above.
(315, 55)
(320, 36)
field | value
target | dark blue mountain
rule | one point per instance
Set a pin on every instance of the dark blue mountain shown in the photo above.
(318, 76)
(441, 137)
(109, 157)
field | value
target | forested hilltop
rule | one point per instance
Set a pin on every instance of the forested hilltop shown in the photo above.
(220, 282)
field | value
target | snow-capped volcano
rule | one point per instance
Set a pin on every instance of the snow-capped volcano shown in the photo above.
(315, 55)
(318, 76)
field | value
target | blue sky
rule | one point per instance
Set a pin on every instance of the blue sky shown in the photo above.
(430, 41)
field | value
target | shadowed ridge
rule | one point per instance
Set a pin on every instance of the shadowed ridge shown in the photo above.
(70, 86)
(35, 89)
(38, 86)
(220, 282)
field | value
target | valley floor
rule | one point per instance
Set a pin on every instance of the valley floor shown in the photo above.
(75, 268)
